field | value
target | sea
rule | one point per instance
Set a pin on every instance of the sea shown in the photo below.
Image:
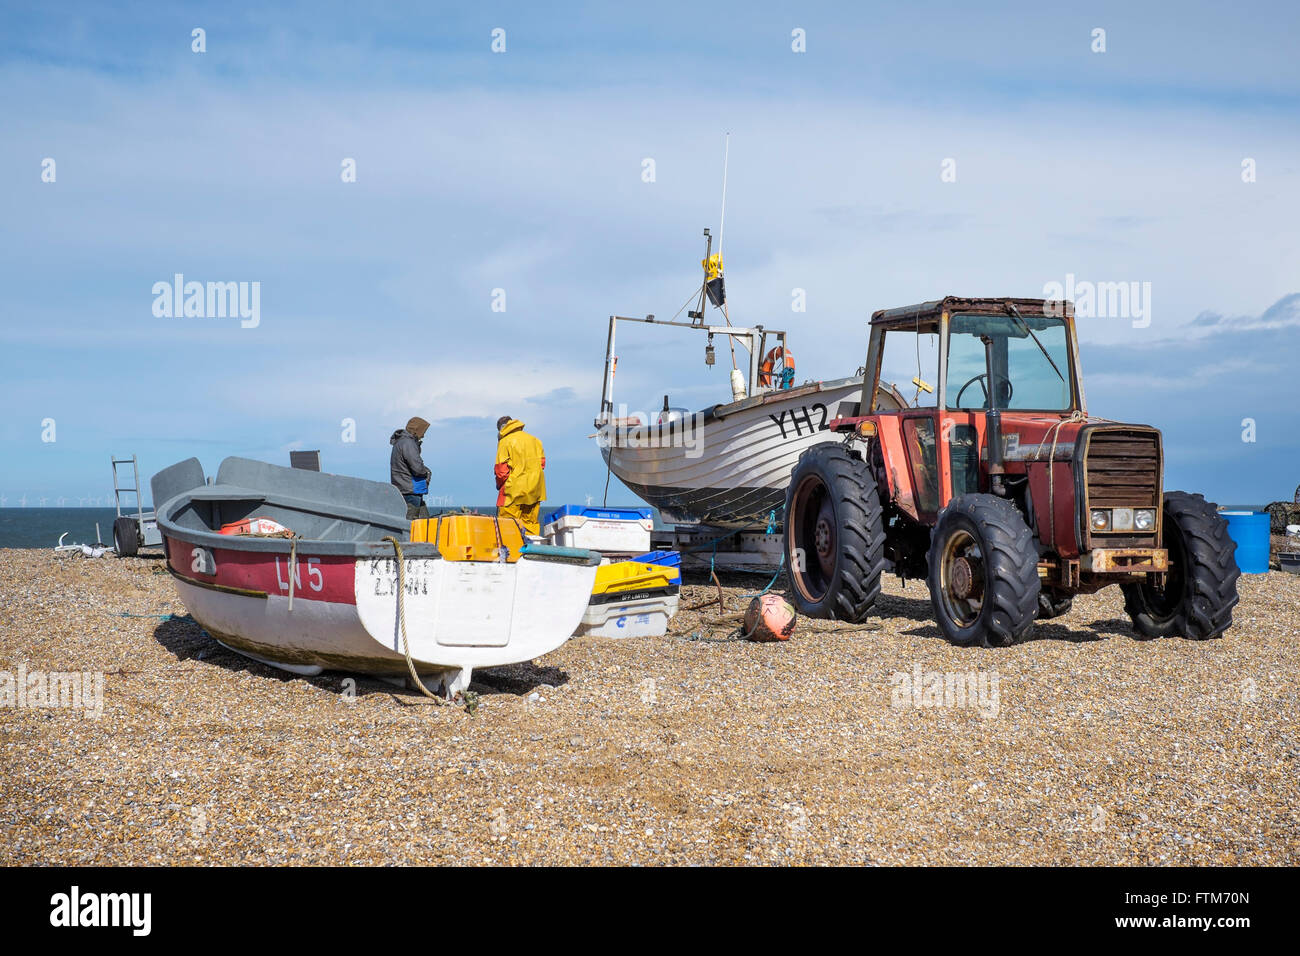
(41, 527)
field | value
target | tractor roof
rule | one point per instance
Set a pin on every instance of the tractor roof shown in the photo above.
(927, 313)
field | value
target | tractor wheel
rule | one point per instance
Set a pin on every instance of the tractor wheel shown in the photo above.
(126, 540)
(983, 572)
(834, 535)
(1053, 604)
(1200, 588)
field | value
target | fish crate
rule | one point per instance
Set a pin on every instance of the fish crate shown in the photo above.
(609, 530)
(632, 599)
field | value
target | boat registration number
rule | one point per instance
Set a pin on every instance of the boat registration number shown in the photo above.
(808, 419)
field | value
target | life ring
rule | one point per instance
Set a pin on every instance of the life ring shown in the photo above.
(769, 362)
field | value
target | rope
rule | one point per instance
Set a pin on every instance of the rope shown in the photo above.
(1075, 416)
(686, 303)
(293, 563)
(737, 634)
(401, 620)
(779, 568)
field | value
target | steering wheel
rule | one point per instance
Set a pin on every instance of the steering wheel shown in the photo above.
(982, 378)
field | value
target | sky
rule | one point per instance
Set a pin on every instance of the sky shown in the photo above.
(502, 210)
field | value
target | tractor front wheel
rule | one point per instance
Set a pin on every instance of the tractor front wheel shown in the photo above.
(1200, 587)
(834, 535)
(983, 572)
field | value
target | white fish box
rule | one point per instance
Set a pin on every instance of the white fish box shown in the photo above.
(646, 617)
(614, 530)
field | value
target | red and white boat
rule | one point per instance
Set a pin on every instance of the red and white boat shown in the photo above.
(325, 595)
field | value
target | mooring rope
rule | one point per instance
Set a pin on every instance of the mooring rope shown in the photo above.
(293, 560)
(401, 620)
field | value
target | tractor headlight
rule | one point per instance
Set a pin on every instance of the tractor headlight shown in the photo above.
(1121, 519)
(1100, 519)
(1144, 519)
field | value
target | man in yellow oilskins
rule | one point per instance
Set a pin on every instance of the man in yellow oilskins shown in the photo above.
(520, 474)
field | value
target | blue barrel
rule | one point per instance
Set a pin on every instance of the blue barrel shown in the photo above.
(1249, 529)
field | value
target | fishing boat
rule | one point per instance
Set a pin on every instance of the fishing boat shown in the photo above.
(300, 570)
(727, 465)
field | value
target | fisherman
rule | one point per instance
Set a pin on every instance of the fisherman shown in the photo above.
(521, 481)
(407, 471)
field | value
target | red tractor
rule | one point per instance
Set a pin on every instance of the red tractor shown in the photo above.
(999, 489)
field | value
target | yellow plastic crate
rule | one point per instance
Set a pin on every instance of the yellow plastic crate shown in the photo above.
(623, 576)
(470, 537)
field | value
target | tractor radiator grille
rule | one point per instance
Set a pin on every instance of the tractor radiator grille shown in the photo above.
(1122, 468)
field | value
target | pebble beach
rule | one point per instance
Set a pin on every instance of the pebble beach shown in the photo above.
(1086, 745)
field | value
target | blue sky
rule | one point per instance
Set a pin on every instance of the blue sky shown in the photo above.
(522, 171)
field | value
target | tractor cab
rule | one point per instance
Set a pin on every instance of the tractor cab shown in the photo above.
(979, 363)
(993, 484)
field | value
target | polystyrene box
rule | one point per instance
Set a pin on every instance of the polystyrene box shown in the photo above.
(617, 530)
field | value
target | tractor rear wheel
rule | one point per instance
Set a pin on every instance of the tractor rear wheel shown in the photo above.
(834, 535)
(1200, 588)
(983, 572)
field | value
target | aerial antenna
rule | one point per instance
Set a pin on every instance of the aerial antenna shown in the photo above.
(722, 219)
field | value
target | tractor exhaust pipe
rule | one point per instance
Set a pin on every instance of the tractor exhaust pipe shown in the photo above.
(996, 469)
(993, 430)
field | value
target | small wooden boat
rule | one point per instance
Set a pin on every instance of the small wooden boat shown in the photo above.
(325, 594)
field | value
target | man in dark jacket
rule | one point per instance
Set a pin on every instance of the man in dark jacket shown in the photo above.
(406, 468)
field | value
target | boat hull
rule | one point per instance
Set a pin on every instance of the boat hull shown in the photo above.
(327, 594)
(729, 466)
(344, 613)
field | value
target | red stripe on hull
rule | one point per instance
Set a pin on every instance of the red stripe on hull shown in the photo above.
(330, 578)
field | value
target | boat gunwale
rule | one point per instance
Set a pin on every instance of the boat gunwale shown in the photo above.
(316, 546)
(206, 537)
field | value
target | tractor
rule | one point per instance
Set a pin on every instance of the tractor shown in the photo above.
(996, 486)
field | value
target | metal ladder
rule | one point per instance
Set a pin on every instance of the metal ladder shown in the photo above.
(119, 489)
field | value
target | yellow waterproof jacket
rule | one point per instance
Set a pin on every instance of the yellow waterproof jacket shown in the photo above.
(520, 468)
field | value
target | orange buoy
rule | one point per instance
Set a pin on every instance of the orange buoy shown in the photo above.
(770, 618)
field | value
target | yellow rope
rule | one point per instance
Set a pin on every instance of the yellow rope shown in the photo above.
(401, 620)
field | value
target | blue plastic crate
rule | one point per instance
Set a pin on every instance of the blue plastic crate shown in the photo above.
(671, 559)
(606, 514)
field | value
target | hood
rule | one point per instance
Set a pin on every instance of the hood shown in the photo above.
(514, 425)
(417, 426)
(398, 434)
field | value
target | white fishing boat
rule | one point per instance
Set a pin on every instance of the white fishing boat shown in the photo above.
(326, 592)
(727, 465)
